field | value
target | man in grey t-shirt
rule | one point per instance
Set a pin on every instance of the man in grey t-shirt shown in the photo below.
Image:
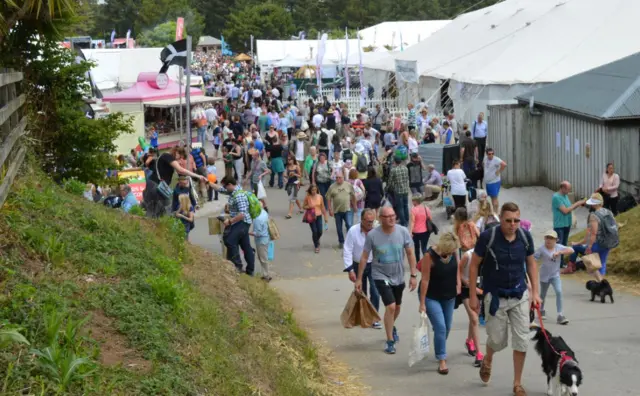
(390, 243)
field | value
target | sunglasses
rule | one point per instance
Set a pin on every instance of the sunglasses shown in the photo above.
(512, 221)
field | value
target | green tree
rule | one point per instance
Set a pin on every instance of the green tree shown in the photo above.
(159, 36)
(45, 17)
(215, 12)
(266, 21)
(66, 142)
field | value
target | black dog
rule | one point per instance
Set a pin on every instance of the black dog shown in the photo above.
(558, 363)
(601, 289)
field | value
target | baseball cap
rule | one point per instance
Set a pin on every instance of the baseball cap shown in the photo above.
(596, 199)
(551, 234)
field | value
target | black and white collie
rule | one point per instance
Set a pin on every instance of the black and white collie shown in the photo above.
(600, 289)
(558, 363)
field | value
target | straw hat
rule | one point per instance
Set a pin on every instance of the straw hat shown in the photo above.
(301, 135)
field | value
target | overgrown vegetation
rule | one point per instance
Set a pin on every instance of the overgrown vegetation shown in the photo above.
(114, 304)
(624, 260)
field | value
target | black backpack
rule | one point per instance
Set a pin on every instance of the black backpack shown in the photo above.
(361, 163)
(322, 141)
(347, 155)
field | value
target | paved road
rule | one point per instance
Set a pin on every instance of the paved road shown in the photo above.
(605, 337)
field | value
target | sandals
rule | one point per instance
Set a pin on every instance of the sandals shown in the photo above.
(287, 216)
(443, 371)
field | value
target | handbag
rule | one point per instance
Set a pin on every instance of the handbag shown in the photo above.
(163, 188)
(309, 216)
(431, 227)
(592, 261)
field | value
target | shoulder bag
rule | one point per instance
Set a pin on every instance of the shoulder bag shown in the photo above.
(163, 188)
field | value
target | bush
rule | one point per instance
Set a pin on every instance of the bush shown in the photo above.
(73, 186)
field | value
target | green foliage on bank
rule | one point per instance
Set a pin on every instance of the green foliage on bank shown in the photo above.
(95, 301)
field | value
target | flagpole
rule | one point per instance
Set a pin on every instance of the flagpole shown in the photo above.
(187, 98)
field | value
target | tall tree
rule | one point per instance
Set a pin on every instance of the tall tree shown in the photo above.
(264, 21)
(215, 13)
(160, 36)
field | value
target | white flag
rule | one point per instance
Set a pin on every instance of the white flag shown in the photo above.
(346, 61)
(363, 90)
(319, 59)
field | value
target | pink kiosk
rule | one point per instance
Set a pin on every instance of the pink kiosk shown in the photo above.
(154, 100)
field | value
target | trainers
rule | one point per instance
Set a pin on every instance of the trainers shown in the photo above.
(377, 325)
(562, 320)
(518, 390)
(471, 348)
(485, 372)
(390, 348)
(479, 359)
(481, 320)
(396, 337)
(543, 315)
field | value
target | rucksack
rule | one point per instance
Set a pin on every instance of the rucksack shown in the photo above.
(359, 190)
(361, 163)
(607, 236)
(255, 208)
(347, 155)
(322, 141)
(401, 153)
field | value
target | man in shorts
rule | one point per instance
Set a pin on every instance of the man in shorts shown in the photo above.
(389, 244)
(507, 252)
(493, 167)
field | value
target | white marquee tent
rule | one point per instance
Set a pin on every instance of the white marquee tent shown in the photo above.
(389, 34)
(504, 50)
(271, 51)
(120, 67)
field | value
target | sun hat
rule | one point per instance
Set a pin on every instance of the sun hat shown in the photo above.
(551, 234)
(596, 199)
(417, 197)
(301, 135)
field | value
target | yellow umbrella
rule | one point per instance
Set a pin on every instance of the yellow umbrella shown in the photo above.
(306, 72)
(243, 58)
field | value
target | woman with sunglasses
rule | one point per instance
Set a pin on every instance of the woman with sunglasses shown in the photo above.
(439, 286)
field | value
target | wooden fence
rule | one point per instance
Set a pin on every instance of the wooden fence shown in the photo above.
(12, 127)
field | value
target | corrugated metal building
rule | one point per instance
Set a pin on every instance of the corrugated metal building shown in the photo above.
(574, 129)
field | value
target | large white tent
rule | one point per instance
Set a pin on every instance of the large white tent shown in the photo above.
(504, 50)
(389, 34)
(120, 67)
(271, 51)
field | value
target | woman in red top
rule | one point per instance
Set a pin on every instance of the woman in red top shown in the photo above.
(418, 217)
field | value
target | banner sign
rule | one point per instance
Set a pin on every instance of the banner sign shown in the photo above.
(136, 180)
(407, 71)
(179, 28)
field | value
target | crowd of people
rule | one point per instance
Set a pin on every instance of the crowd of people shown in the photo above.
(365, 171)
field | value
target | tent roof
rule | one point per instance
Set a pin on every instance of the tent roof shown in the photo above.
(607, 92)
(120, 66)
(208, 40)
(143, 91)
(529, 41)
(292, 61)
(270, 51)
(243, 57)
(389, 33)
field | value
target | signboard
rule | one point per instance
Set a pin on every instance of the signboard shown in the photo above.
(179, 28)
(136, 180)
(407, 71)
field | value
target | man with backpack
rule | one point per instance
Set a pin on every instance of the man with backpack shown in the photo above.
(243, 208)
(601, 236)
(506, 253)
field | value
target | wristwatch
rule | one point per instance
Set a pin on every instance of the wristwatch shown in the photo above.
(414, 275)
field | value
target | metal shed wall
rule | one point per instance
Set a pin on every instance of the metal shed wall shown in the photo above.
(623, 149)
(569, 159)
(513, 136)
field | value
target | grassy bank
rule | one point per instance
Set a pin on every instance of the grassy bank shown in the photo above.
(115, 304)
(624, 260)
